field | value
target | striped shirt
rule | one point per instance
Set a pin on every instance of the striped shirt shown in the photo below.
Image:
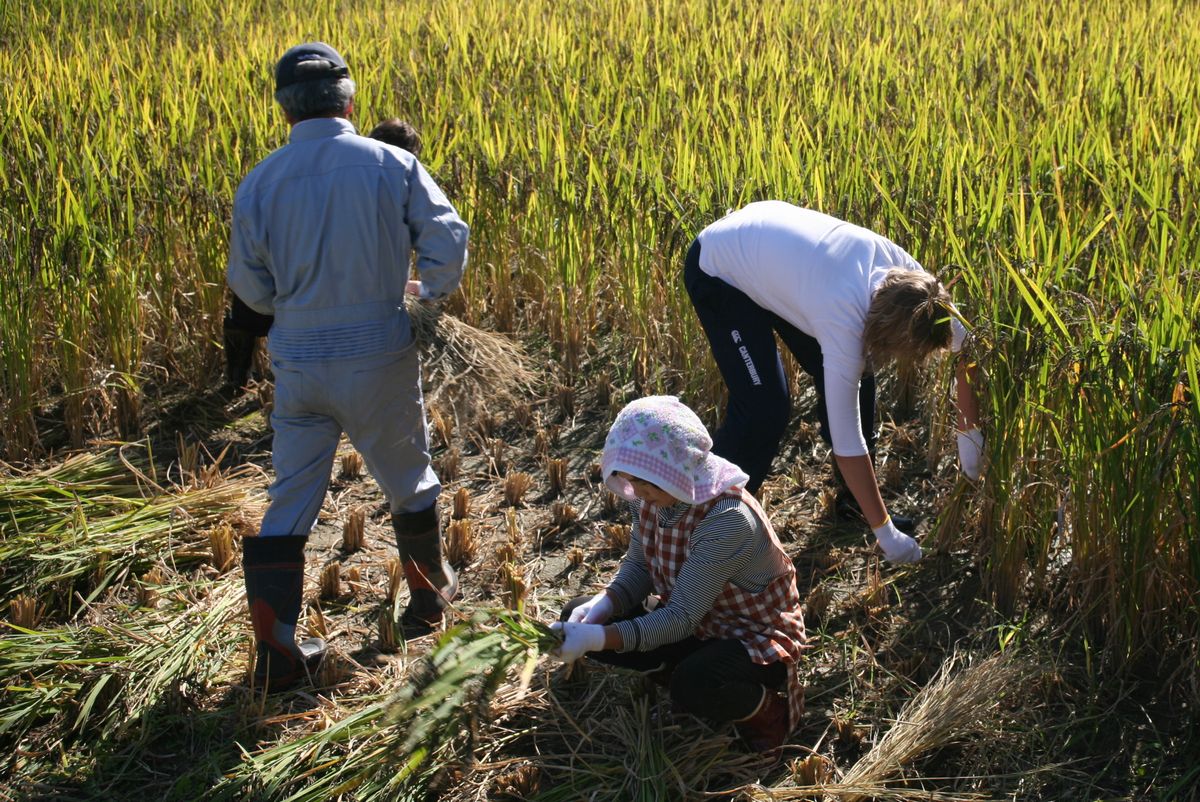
(728, 545)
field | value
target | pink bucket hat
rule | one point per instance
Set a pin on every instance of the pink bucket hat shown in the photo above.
(660, 440)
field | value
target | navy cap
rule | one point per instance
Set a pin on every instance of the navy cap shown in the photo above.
(311, 61)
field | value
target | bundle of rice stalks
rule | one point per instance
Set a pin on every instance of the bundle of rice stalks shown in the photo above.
(467, 368)
(619, 741)
(395, 747)
(94, 519)
(104, 679)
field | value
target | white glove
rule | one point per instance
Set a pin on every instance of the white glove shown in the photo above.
(970, 452)
(579, 640)
(897, 546)
(596, 611)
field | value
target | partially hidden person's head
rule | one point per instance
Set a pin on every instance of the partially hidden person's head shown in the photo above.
(312, 80)
(909, 318)
(400, 133)
(662, 442)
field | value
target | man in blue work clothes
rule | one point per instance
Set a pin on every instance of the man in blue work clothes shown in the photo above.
(322, 233)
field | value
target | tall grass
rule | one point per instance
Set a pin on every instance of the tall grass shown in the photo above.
(1041, 153)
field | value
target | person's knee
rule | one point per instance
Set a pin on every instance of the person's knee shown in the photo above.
(691, 687)
(765, 419)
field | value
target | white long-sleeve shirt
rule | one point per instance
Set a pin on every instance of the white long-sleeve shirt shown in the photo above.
(819, 274)
(322, 234)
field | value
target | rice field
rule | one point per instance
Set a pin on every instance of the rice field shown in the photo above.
(1039, 157)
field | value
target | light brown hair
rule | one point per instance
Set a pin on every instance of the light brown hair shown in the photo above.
(909, 318)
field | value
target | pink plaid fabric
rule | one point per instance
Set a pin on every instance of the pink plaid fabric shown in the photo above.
(770, 623)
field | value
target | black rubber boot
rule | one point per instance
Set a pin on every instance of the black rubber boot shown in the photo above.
(274, 569)
(239, 356)
(432, 583)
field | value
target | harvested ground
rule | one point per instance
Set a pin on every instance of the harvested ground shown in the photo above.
(889, 645)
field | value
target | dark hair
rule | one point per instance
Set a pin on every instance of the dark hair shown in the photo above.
(400, 133)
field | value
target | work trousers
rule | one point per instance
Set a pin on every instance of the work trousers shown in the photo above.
(377, 401)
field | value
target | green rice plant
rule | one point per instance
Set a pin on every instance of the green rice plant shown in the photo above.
(393, 747)
(1047, 164)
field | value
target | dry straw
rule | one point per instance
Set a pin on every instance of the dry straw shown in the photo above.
(616, 537)
(25, 611)
(960, 704)
(516, 485)
(395, 578)
(448, 464)
(462, 503)
(556, 475)
(562, 515)
(354, 531)
(468, 369)
(352, 465)
(148, 586)
(461, 543)
(220, 542)
(496, 452)
(331, 581)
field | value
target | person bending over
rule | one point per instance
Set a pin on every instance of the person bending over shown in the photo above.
(843, 300)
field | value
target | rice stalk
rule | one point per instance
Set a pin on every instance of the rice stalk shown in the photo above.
(468, 369)
(958, 704)
(395, 578)
(24, 611)
(352, 465)
(461, 543)
(516, 485)
(93, 520)
(105, 679)
(330, 583)
(462, 504)
(393, 747)
(353, 532)
(220, 542)
(556, 475)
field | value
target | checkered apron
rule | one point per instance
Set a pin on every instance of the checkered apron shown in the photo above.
(769, 623)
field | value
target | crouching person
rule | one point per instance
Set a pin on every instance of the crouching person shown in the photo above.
(323, 230)
(726, 630)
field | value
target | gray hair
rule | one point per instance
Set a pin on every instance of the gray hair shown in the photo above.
(309, 99)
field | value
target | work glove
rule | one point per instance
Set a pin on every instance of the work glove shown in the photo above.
(597, 610)
(970, 452)
(578, 640)
(898, 547)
